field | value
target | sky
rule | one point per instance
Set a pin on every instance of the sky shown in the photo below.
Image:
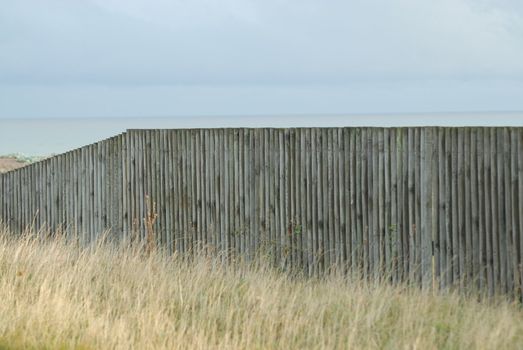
(158, 58)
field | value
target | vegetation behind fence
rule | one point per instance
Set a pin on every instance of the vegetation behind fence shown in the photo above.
(435, 206)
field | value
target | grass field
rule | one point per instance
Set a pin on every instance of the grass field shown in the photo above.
(55, 295)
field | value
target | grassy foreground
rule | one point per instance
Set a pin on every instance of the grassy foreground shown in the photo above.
(53, 295)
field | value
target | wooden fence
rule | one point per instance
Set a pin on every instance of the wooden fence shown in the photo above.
(434, 206)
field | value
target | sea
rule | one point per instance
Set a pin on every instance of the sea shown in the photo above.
(46, 136)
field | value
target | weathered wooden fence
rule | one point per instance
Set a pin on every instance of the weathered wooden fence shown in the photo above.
(429, 205)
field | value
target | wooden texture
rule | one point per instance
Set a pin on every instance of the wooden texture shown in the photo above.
(439, 207)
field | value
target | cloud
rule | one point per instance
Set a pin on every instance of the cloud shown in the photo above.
(258, 42)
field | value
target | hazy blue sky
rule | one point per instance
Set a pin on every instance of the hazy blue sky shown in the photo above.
(66, 58)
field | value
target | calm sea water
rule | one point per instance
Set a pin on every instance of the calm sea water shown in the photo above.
(39, 137)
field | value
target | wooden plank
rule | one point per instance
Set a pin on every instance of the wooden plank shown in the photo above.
(84, 193)
(108, 185)
(338, 195)
(269, 220)
(8, 200)
(435, 235)
(126, 225)
(206, 178)
(352, 206)
(26, 211)
(514, 218)
(147, 175)
(165, 191)
(220, 187)
(116, 195)
(2, 201)
(132, 185)
(197, 188)
(286, 212)
(301, 178)
(97, 189)
(250, 188)
(115, 179)
(345, 211)
(112, 175)
(467, 221)
(387, 210)
(417, 206)
(21, 200)
(212, 191)
(168, 188)
(520, 206)
(333, 199)
(15, 202)
(236, 184)
(323, 219)
(90, 197)
(73, 195)
(276, 151)
(502, 224)
(242, 154)
(261, 237)
(51, 199)
(309, 190)
(317, 173)
(443, 220)
(454, 207)
(383, 234)
(186, 192)
(177, 201)
(24, 194)
(365, 149)
(329, 215)
(252, 194)
(374, 186)
(357, 196)
(426, 207)
(140, 200)
(480, 188)
(297, 179)
(133, 141)
(228, 189)
(158, 187)
(405, 226)
(489, 233)
(475, 231)
(247, 159)
(191, 182)
(307, 195)
(393, 227)
(494, 211)
(508, 211)
(315, 191)
(291, 191)
(411, 204)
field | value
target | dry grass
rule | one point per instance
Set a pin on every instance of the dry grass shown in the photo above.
(54, 295)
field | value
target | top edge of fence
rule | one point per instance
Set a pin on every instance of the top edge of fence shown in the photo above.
(138, 130)
(326, 127)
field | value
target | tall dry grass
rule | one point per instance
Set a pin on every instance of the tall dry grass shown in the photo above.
(55, 295)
